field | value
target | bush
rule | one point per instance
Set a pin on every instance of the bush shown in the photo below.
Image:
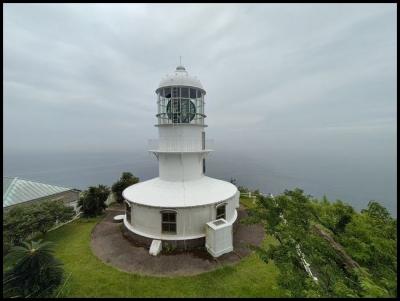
(127, 179)
(24, 221)
(93, 200)
(168, 248)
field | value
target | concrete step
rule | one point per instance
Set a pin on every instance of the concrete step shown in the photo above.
(118, 218)
(155, 247)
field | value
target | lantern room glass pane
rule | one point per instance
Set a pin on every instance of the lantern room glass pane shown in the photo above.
(176, 92)
(192, 93)
(167, 92)
(181, 110)
(185, 92)
(188, 110)
(180, 104)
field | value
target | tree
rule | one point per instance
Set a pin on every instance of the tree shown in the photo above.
(377, 211)
(43, 221)
(18, 224)
(127, 179)
(242, 189)
(334, 216)
(368, 240)
(31, 270)
(93, 200)
(58, 210)
(50, 213)
(371, 239)
(24, 221)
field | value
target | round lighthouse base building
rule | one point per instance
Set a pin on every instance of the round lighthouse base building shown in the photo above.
(177, 213)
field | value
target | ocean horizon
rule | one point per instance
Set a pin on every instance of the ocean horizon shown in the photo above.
(354, 180)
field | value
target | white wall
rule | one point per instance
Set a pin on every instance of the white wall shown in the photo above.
(180, 167)
(190, 220)
(180, 137)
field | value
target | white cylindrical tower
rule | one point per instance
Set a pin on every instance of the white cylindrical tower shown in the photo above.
(181, 146)
(176, 206)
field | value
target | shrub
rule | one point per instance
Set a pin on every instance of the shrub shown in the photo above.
(93, 200)
(127, 179)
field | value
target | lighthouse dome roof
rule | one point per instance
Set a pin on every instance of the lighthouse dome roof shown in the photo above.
(180, 77)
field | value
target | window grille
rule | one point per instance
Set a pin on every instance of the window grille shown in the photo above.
(168, 222)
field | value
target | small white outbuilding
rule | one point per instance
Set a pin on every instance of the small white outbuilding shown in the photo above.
(177, 206)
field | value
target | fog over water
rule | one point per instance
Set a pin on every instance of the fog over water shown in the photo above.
(351, 179)
(298, 95)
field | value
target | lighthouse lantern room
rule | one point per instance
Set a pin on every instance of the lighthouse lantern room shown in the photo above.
(176, 206)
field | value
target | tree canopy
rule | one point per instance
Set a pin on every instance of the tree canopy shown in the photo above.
(24, 221)
(352, 254)
(127, 179)
(93, 200)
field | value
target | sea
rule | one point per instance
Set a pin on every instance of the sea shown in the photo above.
(351, 179)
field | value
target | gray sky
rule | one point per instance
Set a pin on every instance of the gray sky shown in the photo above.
(306, 77)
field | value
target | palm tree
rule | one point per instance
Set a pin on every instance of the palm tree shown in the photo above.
(31, 270)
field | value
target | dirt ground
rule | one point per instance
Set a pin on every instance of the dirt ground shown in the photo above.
(111, 247)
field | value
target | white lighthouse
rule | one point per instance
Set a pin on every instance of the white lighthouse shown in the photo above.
(182, 206)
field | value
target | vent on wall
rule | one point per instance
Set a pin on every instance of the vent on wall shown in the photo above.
(218, 222)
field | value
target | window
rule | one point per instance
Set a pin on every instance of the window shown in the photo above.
(173, 110)
(167, 92)
(221, 211)
(185, 92)
(168, 222)
(128, 212)
(181, 110)
(192, 93)
(176, 92)
(188, 111)
(204, 165)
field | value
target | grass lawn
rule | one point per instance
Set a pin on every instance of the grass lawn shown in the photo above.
(89, 277)
(247, 202)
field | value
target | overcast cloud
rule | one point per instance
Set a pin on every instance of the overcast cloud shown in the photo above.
(314, 77)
